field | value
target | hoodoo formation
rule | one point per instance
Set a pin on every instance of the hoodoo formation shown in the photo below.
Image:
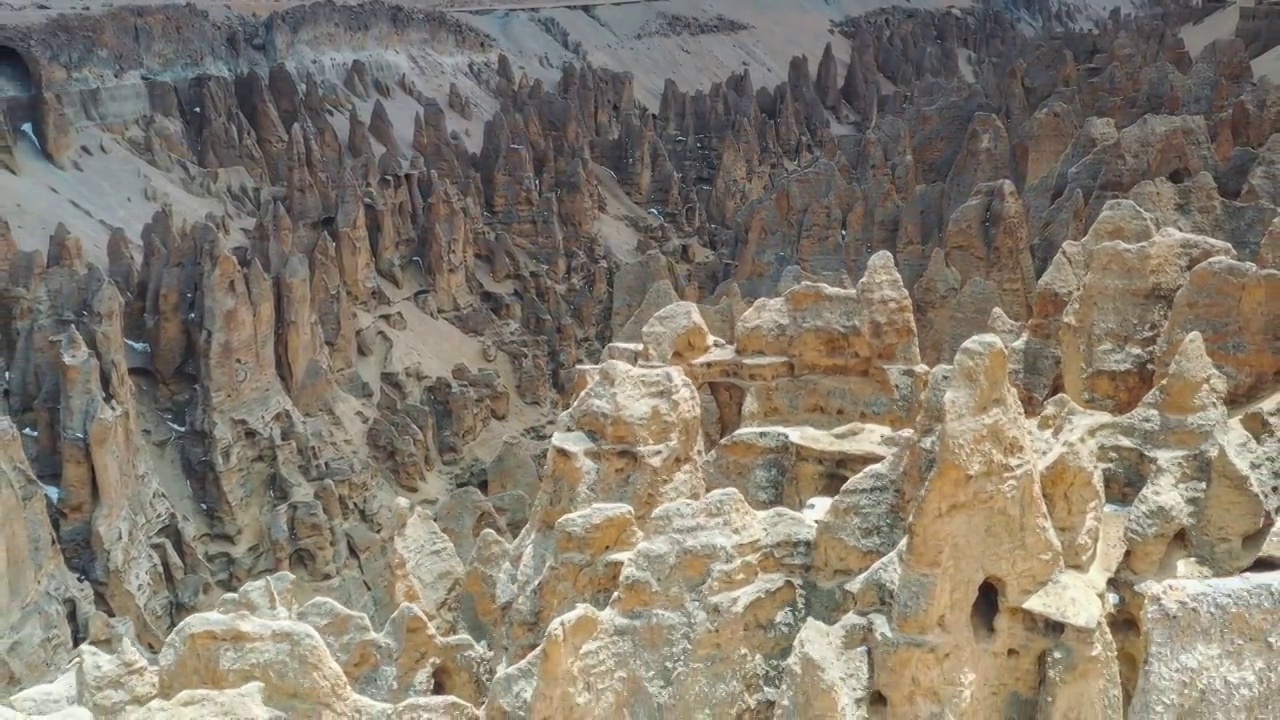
(640, 359)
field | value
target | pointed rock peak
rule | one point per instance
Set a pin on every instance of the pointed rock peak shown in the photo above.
(357, 136)
(1061, 271)
(1122, 221)
(1003, 326)
(1192, 384)
(224, 273)
(161, 226)
(1005, 193)
(389, 164)
(881, 285)
(505, 71)
(280, 76)
(297, 142)
(349, 193)
(981, 371)
(72, 346)
(798, 71)
(118, 241)
(8, 250)
(357, 79)
(107, 301)
(311, 98)
(380, 114)
(417, 163)
(212, 244)
(260, 287)
(65, 249)
(326, 248)
(985, 123)
(827, 84)
(938, 273)
(280, 219)
(881, 268)
(937, 258)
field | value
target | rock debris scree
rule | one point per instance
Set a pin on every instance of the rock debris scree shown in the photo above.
(366, 362)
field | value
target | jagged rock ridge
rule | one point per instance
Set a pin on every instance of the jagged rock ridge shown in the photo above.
(936, 397)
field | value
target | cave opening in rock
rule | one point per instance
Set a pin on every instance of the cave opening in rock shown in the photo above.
(73, 621)
(877, 705)
(301, 560)
(1262, 565)
(1127, 633)
(986, 606)
(16, 79)
(1129, 669)
(832, 481)
(17, 98)
(1179, 547)
(444, 682)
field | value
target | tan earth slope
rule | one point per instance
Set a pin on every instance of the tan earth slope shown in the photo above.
(692, 359)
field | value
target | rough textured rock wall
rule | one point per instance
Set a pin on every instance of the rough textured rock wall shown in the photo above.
(941, 396)
(637, 587)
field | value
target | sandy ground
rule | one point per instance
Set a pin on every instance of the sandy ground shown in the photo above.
(1267, 64)
(609, 36)
(109, 186)
(431, 73)
(108, 190)
(433, 347)
(783, 28)
(611, 226)
(27, 11)
(1221, 24)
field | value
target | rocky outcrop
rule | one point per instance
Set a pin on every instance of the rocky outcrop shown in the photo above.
(1128, 281)
(629, 443)
(933, 389)
(262, 654)
(802, 220)
(587, 647)
(46, 609)
(1191, 622)
(1227, 302)
(820, 356)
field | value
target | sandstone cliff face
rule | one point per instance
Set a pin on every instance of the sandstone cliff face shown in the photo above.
(821, 357)
(945, 387)
(638, 557)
